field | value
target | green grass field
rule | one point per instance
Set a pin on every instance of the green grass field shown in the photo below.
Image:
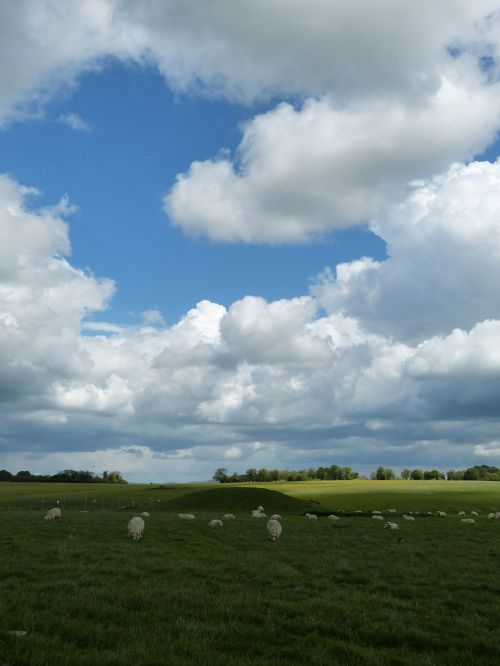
(343, 593)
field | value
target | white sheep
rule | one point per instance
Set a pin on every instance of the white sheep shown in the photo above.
(135, 527)
(391, 526)
(497, 515)
(377, 512)
(490, 516)
(461, 513)
(441, 514)
(229, 516)
(185, 516)
(145, 514)
(215, 523)
(408, 517)
(467, 520)
(391, 511)
(378, 517)
(275, 516)
(53, 514)
(332, 516)
(273, 529)
(260, 508)
(257, 513)
(311, 516)
(474, 513)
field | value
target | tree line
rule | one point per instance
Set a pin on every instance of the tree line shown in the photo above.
(336, 473)
(333, 473)
(66, 476)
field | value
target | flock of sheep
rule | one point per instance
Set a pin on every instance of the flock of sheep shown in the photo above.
(136, 524)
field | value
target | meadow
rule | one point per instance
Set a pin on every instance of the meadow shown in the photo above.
(78, 591)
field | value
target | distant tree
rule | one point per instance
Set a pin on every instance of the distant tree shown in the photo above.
(335, 473)
(23, 475)
(275, 474)
(220, 475)
(116, 477)
(347, 474)
(263, 474)
(433, 475)
(417, 474)
(251, 474)
(5, 475)
(405, 474)
(472, 474)
(384, 474)
(321, 473)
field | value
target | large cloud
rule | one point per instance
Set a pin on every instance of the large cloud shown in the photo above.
(443, 268)
(304, 172)
(388, 92)
(241, 50)
(259, 383)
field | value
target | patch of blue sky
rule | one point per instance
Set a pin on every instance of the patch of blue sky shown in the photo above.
(141, 136)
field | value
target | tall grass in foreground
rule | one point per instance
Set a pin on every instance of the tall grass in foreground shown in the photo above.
(343, 593)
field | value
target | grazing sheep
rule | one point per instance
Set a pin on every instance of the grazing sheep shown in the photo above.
(311, 516)
(273, 529)
(474, 513)
(408, 517)
(441, 514)
(53, 514)
(215, 523)
(391, 526)
(490, 516)
(229, 516)
(467, 520)
(135, 527)
(461, 513)
(358, 511)
(429, 513)
(145, 514)
(377, 512)
(332, 516)
(275, 516)
(185, 516)
(260, 508)
(391, 511)
(378, 517)
(497, 515)
(256, 513)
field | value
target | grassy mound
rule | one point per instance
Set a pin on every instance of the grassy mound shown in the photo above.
(227, 498)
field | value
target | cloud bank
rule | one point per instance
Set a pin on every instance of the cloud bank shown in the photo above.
(359, 369)
(373, 117)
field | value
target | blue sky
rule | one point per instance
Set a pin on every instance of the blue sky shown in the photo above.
(264, 235)
(142, 135)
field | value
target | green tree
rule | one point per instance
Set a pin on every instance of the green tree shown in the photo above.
(116, 477)
(220, 475)
(405, 474)
(251, 474)
(417, 474)
(384, 474)
(433, 475)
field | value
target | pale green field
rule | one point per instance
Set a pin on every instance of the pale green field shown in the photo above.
(348, 496)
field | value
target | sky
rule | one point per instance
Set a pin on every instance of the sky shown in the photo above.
(255, 234)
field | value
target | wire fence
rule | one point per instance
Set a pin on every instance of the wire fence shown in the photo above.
(86, 503)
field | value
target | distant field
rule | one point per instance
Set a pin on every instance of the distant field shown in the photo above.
(331, 495)
(347, 592)
(402, 495)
